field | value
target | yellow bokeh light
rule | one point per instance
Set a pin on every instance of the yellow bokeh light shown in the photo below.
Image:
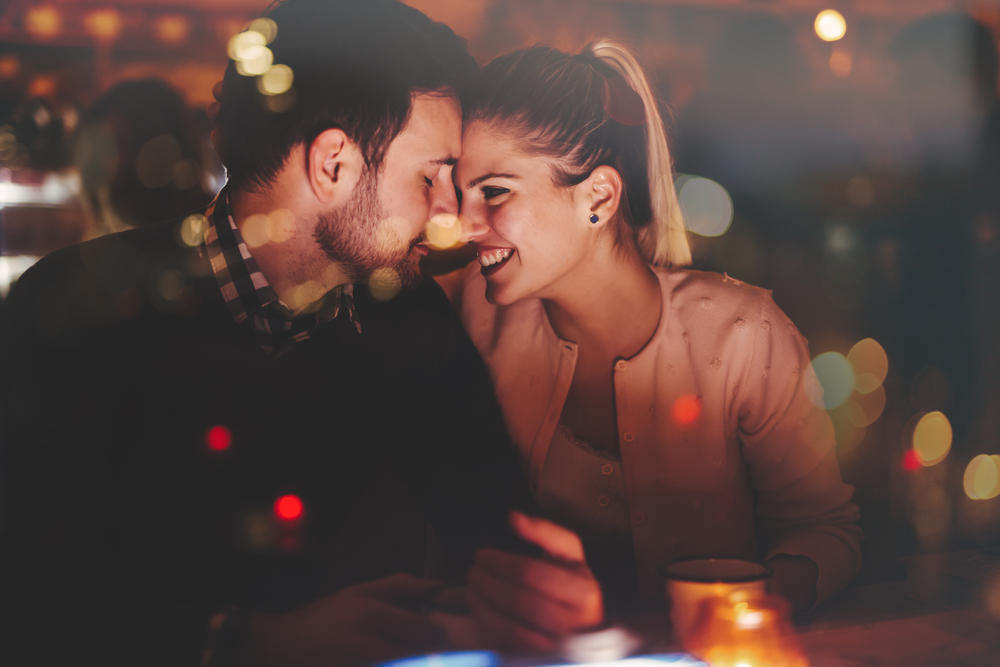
(384, 284)
(193, 230)
(870, 365)
(170, 284)
(830, 25)
(266, 27)
(256, 61)
(982, 477)
(836, 376)
(44, 22)
(932, 438)
(241, 43)
(276, 80)
(104, 24)
(254, 231)
(307, 297)
(444, 230)
(172, 29)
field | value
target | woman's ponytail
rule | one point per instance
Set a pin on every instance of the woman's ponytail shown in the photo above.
(665, 240)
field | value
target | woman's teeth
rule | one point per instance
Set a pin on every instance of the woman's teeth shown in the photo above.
(491, 257)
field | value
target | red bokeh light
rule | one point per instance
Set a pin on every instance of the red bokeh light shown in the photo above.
(218, 438)
(911, 461)
(687, 409)
(288, 508)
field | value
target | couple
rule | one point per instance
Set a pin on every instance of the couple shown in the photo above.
(130, 541)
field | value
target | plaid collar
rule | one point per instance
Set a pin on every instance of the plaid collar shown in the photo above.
(250, 298)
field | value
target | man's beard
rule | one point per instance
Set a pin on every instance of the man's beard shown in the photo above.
(351, 237)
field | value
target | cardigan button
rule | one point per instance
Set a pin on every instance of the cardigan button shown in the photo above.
(639, 518)
(603, 501)
(621, 365)
(607, 469)
(627, 436)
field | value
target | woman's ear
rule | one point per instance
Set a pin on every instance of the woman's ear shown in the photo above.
(334, 165)
(601, 195)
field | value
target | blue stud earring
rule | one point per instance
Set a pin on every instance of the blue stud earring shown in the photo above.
(593, 218)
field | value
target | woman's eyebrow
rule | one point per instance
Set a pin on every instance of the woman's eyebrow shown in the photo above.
(476, 181)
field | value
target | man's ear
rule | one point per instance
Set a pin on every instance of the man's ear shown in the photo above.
(334, 164)
(601, 195)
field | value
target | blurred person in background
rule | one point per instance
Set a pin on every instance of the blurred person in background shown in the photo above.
(661, 413)
(163, 386)
(139, 157)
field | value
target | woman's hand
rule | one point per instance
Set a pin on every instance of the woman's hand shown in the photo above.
(523, 603)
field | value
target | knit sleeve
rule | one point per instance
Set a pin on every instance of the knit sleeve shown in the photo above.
(803, 505)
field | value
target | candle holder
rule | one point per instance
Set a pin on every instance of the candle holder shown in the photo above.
(746, 629)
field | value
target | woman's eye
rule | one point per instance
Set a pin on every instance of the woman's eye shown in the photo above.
(491, 192)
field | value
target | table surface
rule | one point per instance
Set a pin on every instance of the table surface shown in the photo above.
(938, 617)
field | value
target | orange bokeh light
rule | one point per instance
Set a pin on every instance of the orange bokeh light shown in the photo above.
(687, 409)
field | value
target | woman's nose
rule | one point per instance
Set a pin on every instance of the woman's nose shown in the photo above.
(473, 227)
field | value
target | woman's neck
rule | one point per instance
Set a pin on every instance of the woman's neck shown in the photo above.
(612, 308)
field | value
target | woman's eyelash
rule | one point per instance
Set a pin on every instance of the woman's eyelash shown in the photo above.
(491, 191)
(429, 181)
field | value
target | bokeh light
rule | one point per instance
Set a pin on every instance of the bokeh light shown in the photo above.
(932, 438)
(687, 409)
(192, 231)
(218, 438)
(982, 477)
(860, 191)
(170, 284)
(172, 29)
(444, 230)
(288, 508)
(830, 25)
(384, 284)
(256, 60)
(240, 45)
(841, 63)
(156, 161)
(865, 409)
(103, 24)
(870, 365)
(911, 461)
(707, 207)
(43, 22)
(836, 376)
(265, 27)
(276, 80)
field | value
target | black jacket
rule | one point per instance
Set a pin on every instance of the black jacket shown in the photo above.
(122, 531)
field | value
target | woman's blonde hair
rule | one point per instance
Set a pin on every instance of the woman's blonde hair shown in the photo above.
(595, 108)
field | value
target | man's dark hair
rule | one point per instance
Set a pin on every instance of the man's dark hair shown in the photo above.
(356, 64)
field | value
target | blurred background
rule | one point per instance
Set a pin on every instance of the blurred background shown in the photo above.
(843, 153)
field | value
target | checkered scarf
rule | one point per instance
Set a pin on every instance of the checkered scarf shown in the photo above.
(250, 298)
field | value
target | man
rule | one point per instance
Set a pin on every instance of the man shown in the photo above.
(163, 387)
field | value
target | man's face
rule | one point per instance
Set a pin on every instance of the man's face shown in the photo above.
(382, 227)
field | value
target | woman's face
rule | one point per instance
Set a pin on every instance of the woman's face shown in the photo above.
(525, 228)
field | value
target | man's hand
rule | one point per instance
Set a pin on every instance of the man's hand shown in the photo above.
(525, 603)
(360, 625)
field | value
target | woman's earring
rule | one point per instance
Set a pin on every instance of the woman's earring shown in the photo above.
(593, 218)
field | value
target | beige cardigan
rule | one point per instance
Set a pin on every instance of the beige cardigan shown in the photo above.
(690, 488)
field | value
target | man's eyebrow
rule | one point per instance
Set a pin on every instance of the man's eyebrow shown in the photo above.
(476, 181)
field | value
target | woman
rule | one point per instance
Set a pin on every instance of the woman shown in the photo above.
(660, 413)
